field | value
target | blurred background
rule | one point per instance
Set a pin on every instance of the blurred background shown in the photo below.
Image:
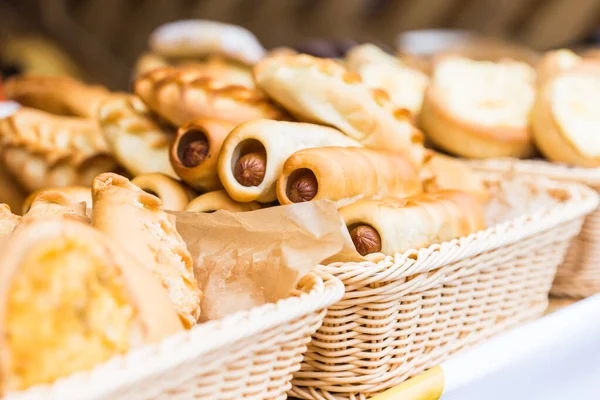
(101, 39)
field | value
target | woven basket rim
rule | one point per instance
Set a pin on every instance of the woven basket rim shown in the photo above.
(582, 201)
(320, 291)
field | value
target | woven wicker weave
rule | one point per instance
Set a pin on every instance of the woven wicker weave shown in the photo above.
(579, 275)
(401, 315)
(249, 355)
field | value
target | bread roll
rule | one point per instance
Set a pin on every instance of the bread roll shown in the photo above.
(565, 118)
(345, 175)
(219, 200)
(394, 225)
(76, 194)
(180, 95)
(324, 92)
(8, 220)
(195, 152)
(253, 154)
(135, 138)
(480, 109)
(58, 95)
(44, 150)
(70, 299)
(172, 193)
(137, 221)
(405, 86)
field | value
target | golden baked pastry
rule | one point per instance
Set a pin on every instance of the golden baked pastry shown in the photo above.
(195, 152)
(44, 150)
(480, 109)
(136, 220)
(554, 62)
(180, 95)
(219, 200)
(8, 220)
(324, 92)
(11, 192)
(345, 175)
(171, 192)
(197, 38)
(58, 95)
(136, 140)
(253, 154)
(76, 194)
(565, 118)
(70, 299)
(55, 204)
(393, 225)
(405, 86)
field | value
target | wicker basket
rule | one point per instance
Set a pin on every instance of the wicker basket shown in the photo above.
(579, 275)
(401, 315)
(249, 355)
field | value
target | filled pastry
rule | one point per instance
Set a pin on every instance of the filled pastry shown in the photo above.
(345, 175)
(253, 154)
(394, 225)
(219, 200)
(405, 86)
(12, 192)
(180, 95)
(76, 194)
(195, 152)
(8, 220)
(51, 203)
(565, 118)
(70, 299)
(323, 91)
(172, 193)
(480, 109)
(136, 220)
(137, 141)
(57, 95)
(44, 150)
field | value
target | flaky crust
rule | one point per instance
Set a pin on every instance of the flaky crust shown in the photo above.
(219, 200)
(417, 222)
(136, 140)
(323, 91)
(152, 312)
(279, 140)
(8, 220)
(171, 192)
(76, 194)
(180, 95)
(58, 95)
(43, 150)
(55, 204)
(204, 176)
(136, 220)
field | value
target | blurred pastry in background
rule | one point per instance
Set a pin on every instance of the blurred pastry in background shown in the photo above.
(172, 193)
(565, 119)
(480, 109)
(77, 194)
(219, 200)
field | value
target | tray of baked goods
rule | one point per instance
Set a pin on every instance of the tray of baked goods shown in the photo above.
(255, 224)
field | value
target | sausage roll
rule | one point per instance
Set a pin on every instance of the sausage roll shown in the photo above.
(138, 142)
(219, 200)
(344, 175)
(394, 225)
(136, 220)
(480, 109)
(180, 95)
(69, 299)
(253, 154)
(324, 92)
(195, 152)
(172, 193)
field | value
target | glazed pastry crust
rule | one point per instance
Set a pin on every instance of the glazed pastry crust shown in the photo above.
(135, 139)
(219, 200)
(203, 176)
(345, 175)
(173, 195)
(461, 135)
(105, 286)
(417, 222)
(324, 92)
(8, 220)
(279, 139)
(180, 95)
(43, 150)
(136, 219)
(76, 194)
(58, 95)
